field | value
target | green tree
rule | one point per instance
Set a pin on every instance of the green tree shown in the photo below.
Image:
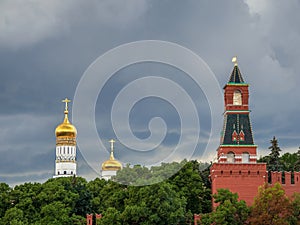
(185, 178)
(112, 195)
(295, 204)
(136, 175)
(271, 206)
(67, 192)
(78, 185)
(14, 216)
(297, 163)
(288, 161)
(110, 217)
(274, 162)
(156, 204)
(56, 213)
(230, 210)
(24, 197)
(204, 170)
(66, 200)
(4, 198)
(95, 187)
(188, 183)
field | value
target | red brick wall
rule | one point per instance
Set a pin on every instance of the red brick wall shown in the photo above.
(290, 189)
(244, 179)
(240, 178)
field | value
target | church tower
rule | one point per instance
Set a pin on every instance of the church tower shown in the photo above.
(236, 168)
(110, 167)
(65, 161)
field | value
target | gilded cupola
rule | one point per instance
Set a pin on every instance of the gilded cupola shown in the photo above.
(111, 164)
(65, 132)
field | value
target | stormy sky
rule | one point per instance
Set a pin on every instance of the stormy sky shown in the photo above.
(47, 46)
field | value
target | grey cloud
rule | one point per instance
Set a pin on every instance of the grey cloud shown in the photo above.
(47, 45)
(29, 22)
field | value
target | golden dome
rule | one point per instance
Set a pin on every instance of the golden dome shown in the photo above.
(111, 164)
(66, 129)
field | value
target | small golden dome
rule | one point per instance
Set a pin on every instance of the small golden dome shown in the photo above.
(111, 164)
(66, 129)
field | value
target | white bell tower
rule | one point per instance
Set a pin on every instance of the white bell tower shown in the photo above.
(65, 160)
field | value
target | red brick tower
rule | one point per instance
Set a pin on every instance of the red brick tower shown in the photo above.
(236, 168)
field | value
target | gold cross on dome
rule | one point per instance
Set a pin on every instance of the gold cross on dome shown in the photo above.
(112, 141)
(66, 101)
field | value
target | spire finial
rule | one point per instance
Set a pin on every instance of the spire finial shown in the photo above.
(234, 60)
(112, 141)
(66, 101)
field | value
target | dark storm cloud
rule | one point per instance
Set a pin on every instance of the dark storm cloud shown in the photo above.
(45, 47)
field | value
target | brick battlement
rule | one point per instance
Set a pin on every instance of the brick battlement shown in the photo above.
(236, 169)
(285, 178)
(245, 179)
(290, 181)
(218, 167)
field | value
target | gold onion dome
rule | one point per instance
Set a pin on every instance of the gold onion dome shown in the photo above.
(66, 129)
(111, 164)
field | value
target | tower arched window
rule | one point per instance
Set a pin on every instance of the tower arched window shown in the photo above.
(237, 97)
(245, 157)
(230, 157)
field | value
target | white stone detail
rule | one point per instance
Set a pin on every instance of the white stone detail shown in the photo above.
(107, 174)
(65, 163)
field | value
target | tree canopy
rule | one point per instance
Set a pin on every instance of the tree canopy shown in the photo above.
(173, 200)
(276, 162)
(67, 200)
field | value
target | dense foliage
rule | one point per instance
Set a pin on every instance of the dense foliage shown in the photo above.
(68, 200)
(230, 210)
(286, 162)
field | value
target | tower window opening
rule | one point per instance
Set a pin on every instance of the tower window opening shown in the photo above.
(230, 157)
(58, 172)
(237, 98)
(230, 172)
(245, 157)
(65, 172)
